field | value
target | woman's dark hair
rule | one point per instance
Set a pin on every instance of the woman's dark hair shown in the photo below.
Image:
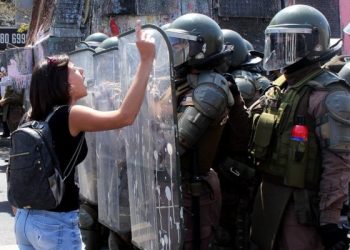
(49, 86)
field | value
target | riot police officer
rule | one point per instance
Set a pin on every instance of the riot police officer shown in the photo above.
(244, 64)
(237, 178)
(203, 100)
(94, 234)
(92, 41)
(108, 43)
(110, 208)
(300, 141)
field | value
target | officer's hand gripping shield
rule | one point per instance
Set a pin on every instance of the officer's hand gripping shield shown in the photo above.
(87, 170)
(112, 186)
(151, 149)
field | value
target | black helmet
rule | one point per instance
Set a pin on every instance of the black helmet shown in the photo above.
(252, 51)
(347, 29)
(240, 51)
(240, 54)
(294, 33)
(248, 44)
(195, 38)
(110, 42)
(165, 26)
(92, 41)
(345, 72)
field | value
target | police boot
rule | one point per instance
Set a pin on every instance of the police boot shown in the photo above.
(91, 239)
(88, 223)
(119, 242)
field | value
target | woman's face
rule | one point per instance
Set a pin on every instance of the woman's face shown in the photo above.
(76, 81)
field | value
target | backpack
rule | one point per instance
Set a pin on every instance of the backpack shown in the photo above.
(34, 177)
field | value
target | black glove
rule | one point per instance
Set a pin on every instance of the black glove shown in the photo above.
(334, 238)
(232, 84)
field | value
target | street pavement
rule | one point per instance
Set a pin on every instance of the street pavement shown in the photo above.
(7, 236)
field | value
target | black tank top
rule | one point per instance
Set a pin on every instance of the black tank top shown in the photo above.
(65, 145)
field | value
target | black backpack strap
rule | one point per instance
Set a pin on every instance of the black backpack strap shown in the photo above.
(76, 153)
(74, 158)
(53, 112)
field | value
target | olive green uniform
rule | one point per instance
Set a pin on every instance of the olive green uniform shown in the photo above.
(304, 183)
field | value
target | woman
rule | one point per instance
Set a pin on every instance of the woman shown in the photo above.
(57, 82)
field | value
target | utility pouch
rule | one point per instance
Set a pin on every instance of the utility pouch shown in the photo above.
(238, 174)
(263, 134)
(296, 165)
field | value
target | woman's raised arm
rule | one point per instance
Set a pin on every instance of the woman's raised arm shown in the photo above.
(83, 118)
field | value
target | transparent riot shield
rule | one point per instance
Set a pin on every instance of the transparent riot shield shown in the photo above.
(83, 58)
(19, 70)
(87, 170)
(151, 150)
(113, 203)
(53, 45)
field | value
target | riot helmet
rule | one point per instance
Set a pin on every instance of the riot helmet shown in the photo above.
(165, 26)
(347, 29)
(248, 45)
(294, 33)
(240, 55)
(240, 51)
(110, 42)
(195, 39)
(345, 72)
(252, 51)
(92, 41)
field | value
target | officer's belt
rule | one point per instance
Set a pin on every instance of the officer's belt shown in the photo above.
(279, 181)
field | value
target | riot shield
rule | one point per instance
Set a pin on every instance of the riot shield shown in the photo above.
(151, 150)
(83, 58)
(113, 203)
(19, 70)
(53, 45)
(87, 170)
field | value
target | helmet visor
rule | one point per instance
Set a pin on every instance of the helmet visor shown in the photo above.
(184, 46)
(285, 46)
